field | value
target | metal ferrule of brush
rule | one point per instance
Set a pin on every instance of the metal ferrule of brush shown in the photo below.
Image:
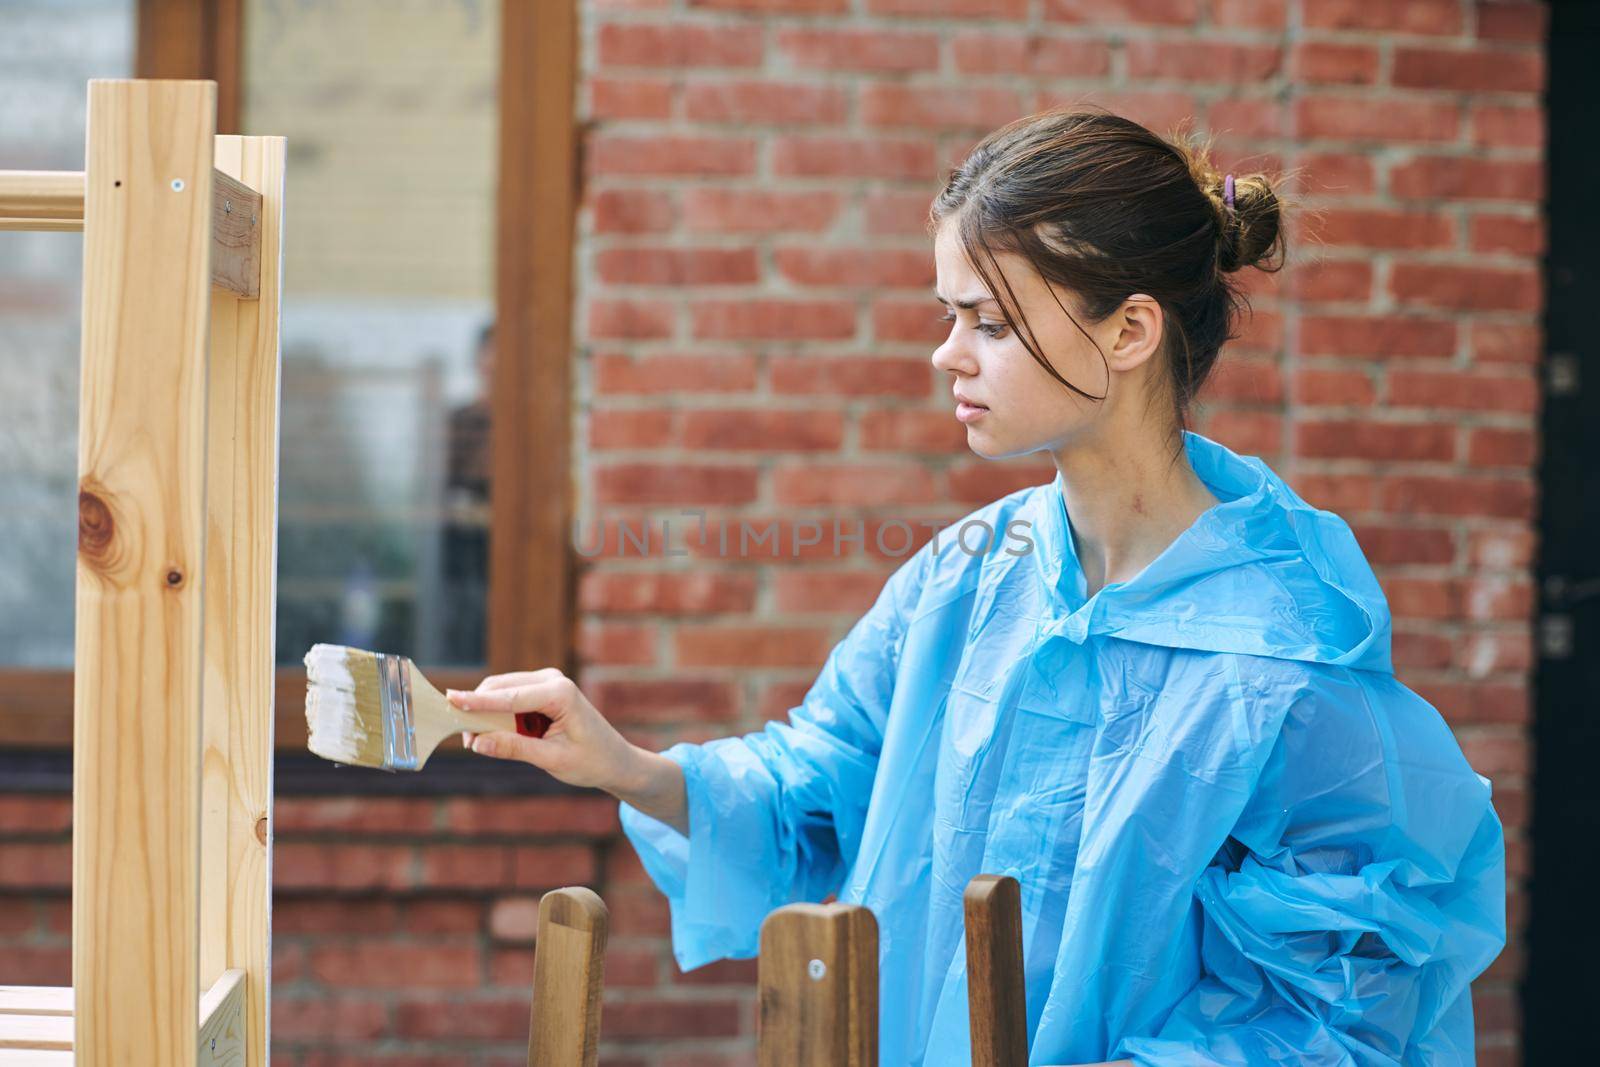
(399, 734)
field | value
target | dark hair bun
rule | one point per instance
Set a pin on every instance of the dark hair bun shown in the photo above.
(1250, 231)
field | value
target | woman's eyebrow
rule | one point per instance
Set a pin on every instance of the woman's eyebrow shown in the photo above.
(969, 303)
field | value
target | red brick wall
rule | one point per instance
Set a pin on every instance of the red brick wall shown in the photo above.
(754, 325)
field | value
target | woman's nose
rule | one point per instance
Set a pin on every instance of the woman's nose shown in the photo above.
(952, 356)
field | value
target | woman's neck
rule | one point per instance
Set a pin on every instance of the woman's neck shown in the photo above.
(1126, 504)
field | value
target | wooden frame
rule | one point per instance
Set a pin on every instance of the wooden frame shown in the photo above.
(532, 595)
(177, 525)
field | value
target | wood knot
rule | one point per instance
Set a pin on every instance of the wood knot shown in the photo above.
(174, 578)
(95, 527)
(261, 829)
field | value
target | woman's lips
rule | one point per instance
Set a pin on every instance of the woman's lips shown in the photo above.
(968, 412)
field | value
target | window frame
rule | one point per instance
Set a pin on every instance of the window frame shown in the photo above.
(531, 594)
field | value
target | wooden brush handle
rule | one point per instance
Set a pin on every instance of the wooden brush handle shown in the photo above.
(435, 718)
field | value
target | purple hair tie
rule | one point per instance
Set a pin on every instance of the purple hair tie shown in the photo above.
(1227, 191)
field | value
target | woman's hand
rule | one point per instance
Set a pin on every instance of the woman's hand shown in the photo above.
(579, 747)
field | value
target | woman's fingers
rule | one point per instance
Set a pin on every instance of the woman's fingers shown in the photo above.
(515, 679)
(550, 695)
(503, 744)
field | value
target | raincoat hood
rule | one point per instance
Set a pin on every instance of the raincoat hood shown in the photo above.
(1261, 572)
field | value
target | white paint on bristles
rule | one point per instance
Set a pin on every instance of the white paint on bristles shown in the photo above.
(337, 728)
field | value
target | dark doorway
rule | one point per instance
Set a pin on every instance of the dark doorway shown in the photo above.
(1563, 982)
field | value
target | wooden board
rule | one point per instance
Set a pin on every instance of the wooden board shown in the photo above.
(240, 608)
(35, 1000)
(222, 1022)
(817, 987)
(568, 978)
(141, 471)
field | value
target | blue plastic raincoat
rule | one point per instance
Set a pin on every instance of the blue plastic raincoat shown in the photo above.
(1239, 839)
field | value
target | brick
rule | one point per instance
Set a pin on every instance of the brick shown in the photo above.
(1377, 336)
(896, 213)
(1155, 109)
(553, 866)
(24, 813)
(880, 484)
(1373, 440)
(1344, 494)
(35, 865)
(921, 432)
(615, 644)
(1498, 598)
(983, 52)
(652, 265)
(669, 156)
(1507, 126)
(1496, 447)
(1462, 288)
(1455, 178)
(1506, 342)
(1334, 174)
(324, 917)
(631, 98)
(759, 211)
(1314, 387)
(934, 108)
(632, 429)
(1217, 61)
(657, 1018)
(631, 319)
(950, 9)
(342, 866)
(1118, 12)
(651, 45)
(1495, 750)
(749, 646)
(1419, 651)
(479, 1019)
(695, 592)
(1501, 70)
(1434, 599)
(1375, 119)
(890, 268)
(850, 592)
(523, 817)
(665, 699)
(766, 102)
(772, 319)
(650, 483)
(357, 815)
(1509, 234)
(1377, 228)
(768, 431)
(802, 156)
(979, 483)
(1431, 17)
(452, 866)
(394, 965)
(1243, 117)
(1244, 379)
(1332, 280)
(328, 1016)
(1463, 392)
(1258, 433)
(633, 211)
(920, 321)
(1330, 63)
(615, 373)
(851, 376)
(874, 51)
(1250, 14)
(1507, 21)
(1507, 498)
(1394, 545)
(1501, 549)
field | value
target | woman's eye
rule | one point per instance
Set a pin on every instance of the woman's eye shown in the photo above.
(988, 329)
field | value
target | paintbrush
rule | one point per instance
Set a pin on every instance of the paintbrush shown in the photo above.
(372, 709)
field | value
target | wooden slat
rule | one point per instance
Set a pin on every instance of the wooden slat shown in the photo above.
(223, 1017)
(53, 200)
(36, 1032)
(35, 1000)
(817, 979)
(568, 979)
(531, 598)
(142, 466)
(11, 1057)
(240, 609)
(996, 989)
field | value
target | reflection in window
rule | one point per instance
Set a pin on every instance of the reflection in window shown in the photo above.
(390, 116)
(48, 52)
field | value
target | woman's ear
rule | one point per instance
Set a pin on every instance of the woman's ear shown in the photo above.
(1138, 330)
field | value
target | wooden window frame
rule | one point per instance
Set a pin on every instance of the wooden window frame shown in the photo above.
(531, 588)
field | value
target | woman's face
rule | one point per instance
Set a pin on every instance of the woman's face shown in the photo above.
(1024, 408)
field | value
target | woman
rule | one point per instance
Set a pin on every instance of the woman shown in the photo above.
(1171, 714)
